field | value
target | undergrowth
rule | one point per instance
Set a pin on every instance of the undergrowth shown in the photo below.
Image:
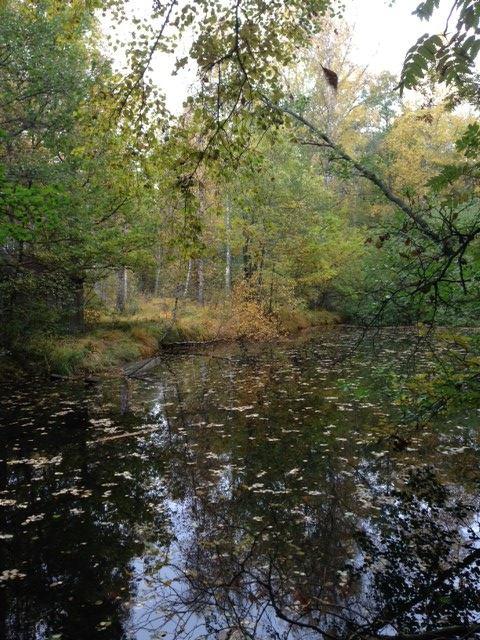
(113, 340)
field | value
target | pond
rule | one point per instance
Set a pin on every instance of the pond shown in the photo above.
(238, 492)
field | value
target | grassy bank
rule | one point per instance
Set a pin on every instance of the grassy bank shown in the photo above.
(111, 341)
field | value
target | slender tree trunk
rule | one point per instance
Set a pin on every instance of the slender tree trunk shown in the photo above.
(78, 320)
(122, 289)
(200, 262)
(100, 290)
(330, 102)
(228, 251)
(175, 310)
(187, 279)
(156, 288)
(247, 262)
(228, 270)
(270, 302)
(201, 282)
(260, 267)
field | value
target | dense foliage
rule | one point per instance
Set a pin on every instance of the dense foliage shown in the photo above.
(292, 181)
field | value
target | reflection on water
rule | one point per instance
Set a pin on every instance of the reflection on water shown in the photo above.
(242, 493)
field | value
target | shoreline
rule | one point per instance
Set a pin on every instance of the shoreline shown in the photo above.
(112, 351)
(110, 359)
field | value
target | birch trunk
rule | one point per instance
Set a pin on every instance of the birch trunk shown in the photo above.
(200, 262)
(228, 251)
(122, 289)
(187, 279)
(156, 287)
(201, 282)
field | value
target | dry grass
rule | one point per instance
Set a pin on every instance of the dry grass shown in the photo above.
(114, 340)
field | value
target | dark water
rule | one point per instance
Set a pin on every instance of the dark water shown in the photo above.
(243, 493)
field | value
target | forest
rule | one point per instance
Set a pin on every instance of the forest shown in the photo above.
(280, 197)
(239, 348)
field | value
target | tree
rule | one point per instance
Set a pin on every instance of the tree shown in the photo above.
(75, 199)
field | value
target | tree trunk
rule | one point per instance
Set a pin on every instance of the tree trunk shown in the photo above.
(100, 291)
(200, 273)
(156, 288)
(260, 267)
(201, 282)
(228, 252)
(330, 101)
(187, 279)
(270, 302)
(122, 289)
(78, 320)
(247, 262)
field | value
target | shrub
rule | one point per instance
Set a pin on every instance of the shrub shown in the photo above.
(248, 317)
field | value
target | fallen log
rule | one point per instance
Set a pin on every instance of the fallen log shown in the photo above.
(193, 343)
(132, 370)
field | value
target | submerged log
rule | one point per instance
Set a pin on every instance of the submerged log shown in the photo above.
(86, 379)
(192, 343)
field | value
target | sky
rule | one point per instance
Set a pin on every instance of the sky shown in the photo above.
(382, 34)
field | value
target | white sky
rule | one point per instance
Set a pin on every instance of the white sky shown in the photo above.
(382, 36)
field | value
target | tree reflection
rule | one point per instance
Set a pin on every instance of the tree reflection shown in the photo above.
(254, 497)
(409, 571)
(73, 523)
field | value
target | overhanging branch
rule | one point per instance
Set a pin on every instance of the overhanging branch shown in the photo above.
(363, 171)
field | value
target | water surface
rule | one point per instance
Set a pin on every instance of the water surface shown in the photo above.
(241, 492)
